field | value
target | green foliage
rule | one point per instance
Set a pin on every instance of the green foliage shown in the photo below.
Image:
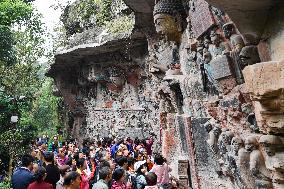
(6, 184)
(6, 45)
(14, 11)
(85, 14)
(46, 109)
(21, 46)
(121, 25)
(14, 138)
(104, 15)
(20, 79)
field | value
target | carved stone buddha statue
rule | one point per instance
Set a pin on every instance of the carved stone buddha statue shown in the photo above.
(168, 15)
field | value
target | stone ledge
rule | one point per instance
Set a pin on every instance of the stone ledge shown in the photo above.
(265, 79)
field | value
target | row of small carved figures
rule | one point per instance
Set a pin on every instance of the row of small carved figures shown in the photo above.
(256, 161)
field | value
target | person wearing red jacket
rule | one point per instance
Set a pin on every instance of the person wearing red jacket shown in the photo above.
(40, 183)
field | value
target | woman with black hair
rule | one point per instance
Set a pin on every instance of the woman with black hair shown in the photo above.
(39, 182)
(161, 169)
(119, 177)
(81, 169)
(72, 180)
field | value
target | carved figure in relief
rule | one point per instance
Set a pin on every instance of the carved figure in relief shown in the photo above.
(230, 168)
(168, 15)
(274, 158)
(249, 55)
(217, 48)
(203, 59)
(224, 142)
(237, 43)
(174, 67)
(96, 74)
(243, 165)
(116, 76)
(167, 99)
(214, 133)
(257, 164)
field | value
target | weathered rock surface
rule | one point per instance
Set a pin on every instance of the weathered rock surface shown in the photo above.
(191, 72)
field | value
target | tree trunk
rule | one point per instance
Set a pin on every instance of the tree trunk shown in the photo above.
(10, 170)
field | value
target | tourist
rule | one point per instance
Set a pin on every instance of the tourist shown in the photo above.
(151, 179)
(130, 165)
(81, 169)
(23, 176)
(105, 177)
(63, 170)
(141, 170)
(52, 171)
(122, 163)
(119, 178)
(72, 180)
(61, 157)
(39, 182)
(161, 169)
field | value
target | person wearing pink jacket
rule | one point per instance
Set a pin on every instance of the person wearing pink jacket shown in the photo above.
(118, 182)
(161, 169)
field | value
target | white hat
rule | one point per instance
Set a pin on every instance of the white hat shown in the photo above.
(138, 164)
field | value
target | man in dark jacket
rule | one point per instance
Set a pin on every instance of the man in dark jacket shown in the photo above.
(23, 176)
(52, 171)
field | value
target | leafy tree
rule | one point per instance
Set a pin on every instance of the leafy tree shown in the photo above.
(21, 42)
(20, 48)
(46, 110)
(14, 137)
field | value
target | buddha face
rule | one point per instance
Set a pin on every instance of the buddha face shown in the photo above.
(215, 38)
(269, 149)
(228, 30)
(270, 144)
(249, 55)
(166, 25)
(250, 144)
(236, 143)
(237, 42)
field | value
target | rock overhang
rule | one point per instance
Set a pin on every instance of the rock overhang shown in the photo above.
(115, 50)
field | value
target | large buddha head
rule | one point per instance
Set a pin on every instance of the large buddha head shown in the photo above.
(168, 16)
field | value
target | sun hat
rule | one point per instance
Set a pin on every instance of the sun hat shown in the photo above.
(138, 164)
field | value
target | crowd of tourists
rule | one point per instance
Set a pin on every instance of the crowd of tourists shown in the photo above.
(111, 163)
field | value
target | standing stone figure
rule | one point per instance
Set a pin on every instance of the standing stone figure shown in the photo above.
(237, 43)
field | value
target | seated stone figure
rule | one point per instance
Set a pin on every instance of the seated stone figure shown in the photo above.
(217, 48)
(257, 164)
(243, 165)
(274, 158)
(212, 141)
(231, 169)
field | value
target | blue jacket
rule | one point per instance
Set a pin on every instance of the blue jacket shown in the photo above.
(21, 178)
(114, 149)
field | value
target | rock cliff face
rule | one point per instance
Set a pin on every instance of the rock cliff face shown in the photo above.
(205, 76)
